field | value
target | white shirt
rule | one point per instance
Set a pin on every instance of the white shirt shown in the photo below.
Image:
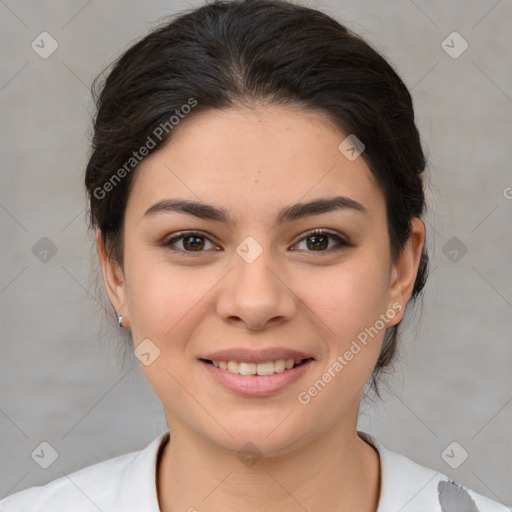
(127, 483)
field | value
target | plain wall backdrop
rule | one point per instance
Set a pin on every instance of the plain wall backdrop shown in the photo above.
(60, 378)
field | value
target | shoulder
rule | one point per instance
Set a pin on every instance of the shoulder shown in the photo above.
(410, 487)
(120, 483)
(80, 490)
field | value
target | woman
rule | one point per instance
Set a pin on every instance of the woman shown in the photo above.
(256, 187)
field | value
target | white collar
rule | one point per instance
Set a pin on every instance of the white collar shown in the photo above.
(141, 474)
(406, 486)
(128, 483)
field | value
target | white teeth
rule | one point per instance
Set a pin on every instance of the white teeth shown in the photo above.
(279, 366)
(246, 368)
(266, 368)
(233, 367)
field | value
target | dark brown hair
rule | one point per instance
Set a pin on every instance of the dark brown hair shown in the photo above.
(227, 54)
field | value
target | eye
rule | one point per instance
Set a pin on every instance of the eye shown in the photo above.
(192, 242)
(320, 240)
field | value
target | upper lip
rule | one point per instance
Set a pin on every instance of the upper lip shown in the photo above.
(255, 356)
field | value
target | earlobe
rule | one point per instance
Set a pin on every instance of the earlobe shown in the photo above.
(404, 271)
(113, 278)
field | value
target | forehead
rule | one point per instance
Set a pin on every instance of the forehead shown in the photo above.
(253, 162)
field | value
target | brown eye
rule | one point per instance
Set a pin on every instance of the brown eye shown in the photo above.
(191, 242)
(318, 241)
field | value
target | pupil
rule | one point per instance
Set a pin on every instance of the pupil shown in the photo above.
(194, 244)
(319, 244)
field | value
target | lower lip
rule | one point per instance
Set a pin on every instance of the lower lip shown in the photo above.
(257, 385)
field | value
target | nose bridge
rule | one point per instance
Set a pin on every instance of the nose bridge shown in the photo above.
(253, 268)
(255, 293)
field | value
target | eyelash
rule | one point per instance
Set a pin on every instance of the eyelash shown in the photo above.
(342, 243)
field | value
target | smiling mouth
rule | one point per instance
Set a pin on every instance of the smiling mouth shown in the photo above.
(258, 369)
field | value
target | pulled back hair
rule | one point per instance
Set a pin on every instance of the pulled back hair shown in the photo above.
(228, 54)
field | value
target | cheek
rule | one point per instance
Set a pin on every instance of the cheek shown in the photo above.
(350, 296)
(350, 301)
(163, 299)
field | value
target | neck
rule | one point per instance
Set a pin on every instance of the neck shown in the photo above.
(337, 471)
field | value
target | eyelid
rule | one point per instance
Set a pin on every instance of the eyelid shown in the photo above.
(168, 241)
(341, 240)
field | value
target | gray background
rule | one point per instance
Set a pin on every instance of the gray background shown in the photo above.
(61, 379)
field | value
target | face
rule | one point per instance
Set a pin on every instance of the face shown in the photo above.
(257, 285)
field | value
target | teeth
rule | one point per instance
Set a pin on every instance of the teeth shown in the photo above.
(266, 368)
(246, 368)
(233, 367)
(280, 365)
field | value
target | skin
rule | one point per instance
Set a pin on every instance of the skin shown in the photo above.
(254, 162)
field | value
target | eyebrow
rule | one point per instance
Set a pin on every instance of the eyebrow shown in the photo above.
(287, 214)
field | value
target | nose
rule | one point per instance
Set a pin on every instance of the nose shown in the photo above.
(256, 294)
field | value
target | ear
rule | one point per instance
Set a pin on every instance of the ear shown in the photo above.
(113, 276)
(404, 271)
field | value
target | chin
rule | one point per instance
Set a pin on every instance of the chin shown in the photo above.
(268, 437)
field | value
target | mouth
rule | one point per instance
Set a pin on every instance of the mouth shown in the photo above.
(262, 377)
(262, 369)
